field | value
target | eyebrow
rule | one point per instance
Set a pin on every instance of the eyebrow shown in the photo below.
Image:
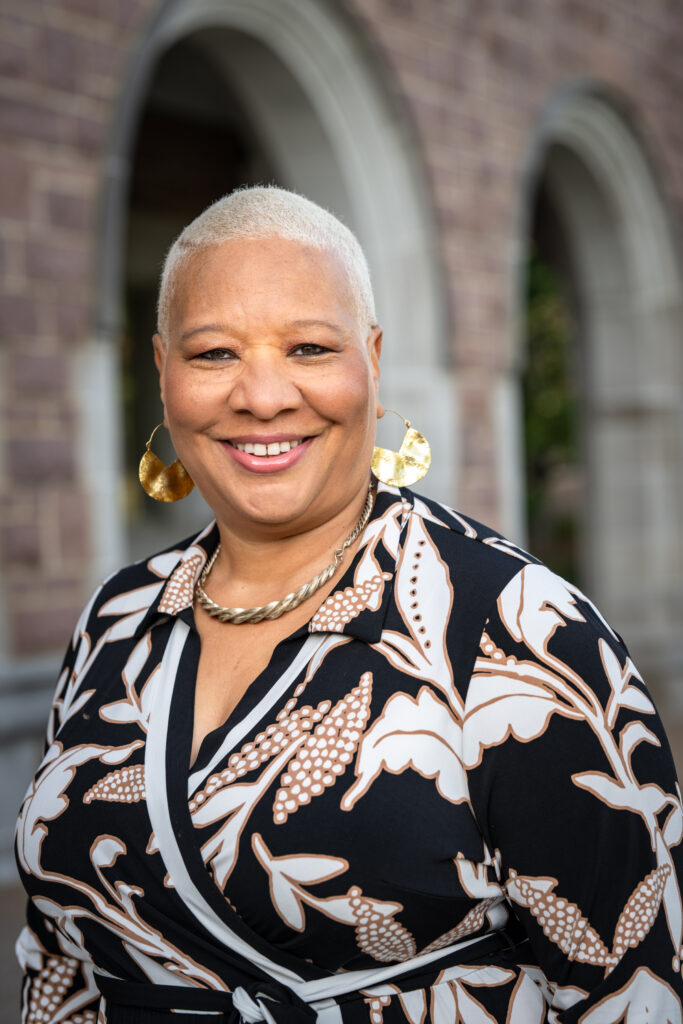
(296, 324)
(205, 329)
(303, 324)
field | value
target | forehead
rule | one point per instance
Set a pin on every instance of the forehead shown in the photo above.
(258, 276)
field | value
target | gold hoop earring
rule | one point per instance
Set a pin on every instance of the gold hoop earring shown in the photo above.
(162, 482)
(406, 466)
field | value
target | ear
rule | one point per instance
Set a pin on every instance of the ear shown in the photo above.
(160, 362)
(374, 344)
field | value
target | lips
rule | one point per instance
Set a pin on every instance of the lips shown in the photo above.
(266, 455)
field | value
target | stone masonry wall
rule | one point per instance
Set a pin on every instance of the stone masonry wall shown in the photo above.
(473, 77)
(61, 67)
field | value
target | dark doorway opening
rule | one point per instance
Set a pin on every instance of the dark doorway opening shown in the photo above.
(555, 474)
(194, 144)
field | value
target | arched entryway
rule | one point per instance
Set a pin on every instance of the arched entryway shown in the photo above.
(194, 143)
(305, 95)
(597, 216)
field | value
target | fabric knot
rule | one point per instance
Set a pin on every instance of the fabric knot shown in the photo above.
(257, 1001)
(272, 1003)
(249, 1010)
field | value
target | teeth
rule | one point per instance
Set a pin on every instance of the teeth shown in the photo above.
(274, 448)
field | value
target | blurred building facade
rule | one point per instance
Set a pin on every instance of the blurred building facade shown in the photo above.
(452, 136)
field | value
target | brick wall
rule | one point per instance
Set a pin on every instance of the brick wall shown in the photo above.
(472, 78)
(61, 66)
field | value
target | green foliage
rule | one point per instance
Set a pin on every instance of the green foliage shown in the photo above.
(551, 425)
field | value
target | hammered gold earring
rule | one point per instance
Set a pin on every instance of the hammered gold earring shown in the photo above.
(162, 482)
(406, 466)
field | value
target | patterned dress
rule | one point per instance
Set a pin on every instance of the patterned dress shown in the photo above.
(448, 798)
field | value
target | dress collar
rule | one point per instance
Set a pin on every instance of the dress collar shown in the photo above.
(359, 603)
(356, 607)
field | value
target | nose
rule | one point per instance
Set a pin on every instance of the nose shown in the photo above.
(264, 387)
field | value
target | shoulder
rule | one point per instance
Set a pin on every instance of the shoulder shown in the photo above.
(155, 569)
(135, 588)
(464, 542)
(450, 572)
(120, 610)
(501, 590)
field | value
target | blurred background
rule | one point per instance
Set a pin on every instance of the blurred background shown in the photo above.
(514, 171)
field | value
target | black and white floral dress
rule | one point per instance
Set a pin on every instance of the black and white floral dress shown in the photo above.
(447, 799)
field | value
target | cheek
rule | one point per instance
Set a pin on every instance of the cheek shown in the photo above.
(186, 401)
(351, 394)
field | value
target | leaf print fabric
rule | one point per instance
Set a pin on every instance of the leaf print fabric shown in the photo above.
(447, 800)
(421, 734)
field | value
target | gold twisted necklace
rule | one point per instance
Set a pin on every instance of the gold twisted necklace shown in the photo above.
(274, 609)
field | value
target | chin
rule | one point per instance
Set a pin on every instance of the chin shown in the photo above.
(268, 511)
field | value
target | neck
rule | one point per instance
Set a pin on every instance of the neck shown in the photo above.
(256, 566)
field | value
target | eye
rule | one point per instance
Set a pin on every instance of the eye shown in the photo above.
(216, 355)
(309, 348)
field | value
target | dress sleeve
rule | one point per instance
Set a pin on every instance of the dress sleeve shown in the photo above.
(574, 788)
(58, 982)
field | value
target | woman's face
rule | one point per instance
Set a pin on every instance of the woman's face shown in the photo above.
(269, 384)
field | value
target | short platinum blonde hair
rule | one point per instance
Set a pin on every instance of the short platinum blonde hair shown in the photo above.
(267, 212)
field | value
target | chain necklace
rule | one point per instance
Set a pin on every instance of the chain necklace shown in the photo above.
(274, 609)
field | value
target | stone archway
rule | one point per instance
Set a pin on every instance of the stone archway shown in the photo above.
(333, 133)
(194, 143)
(629, 304)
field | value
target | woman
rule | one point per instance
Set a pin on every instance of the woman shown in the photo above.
(430, 787)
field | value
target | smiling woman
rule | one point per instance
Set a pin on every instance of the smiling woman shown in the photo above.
(342, 756)
(238, 369)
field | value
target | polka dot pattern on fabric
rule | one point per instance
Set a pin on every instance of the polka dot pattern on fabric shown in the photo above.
(179, 591)
(326, 753)
(640, 911)
(124, 785)
(377, 933)
(291, 725)
(376, 1006)
(343, 605)
(471, 923)
(564, 924)
(50, 988)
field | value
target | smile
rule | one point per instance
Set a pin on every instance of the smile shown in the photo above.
(268, 456)
(273, 448)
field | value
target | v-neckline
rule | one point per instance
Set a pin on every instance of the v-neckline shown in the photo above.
(256, 693)
(214, 741)
(168, 806)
